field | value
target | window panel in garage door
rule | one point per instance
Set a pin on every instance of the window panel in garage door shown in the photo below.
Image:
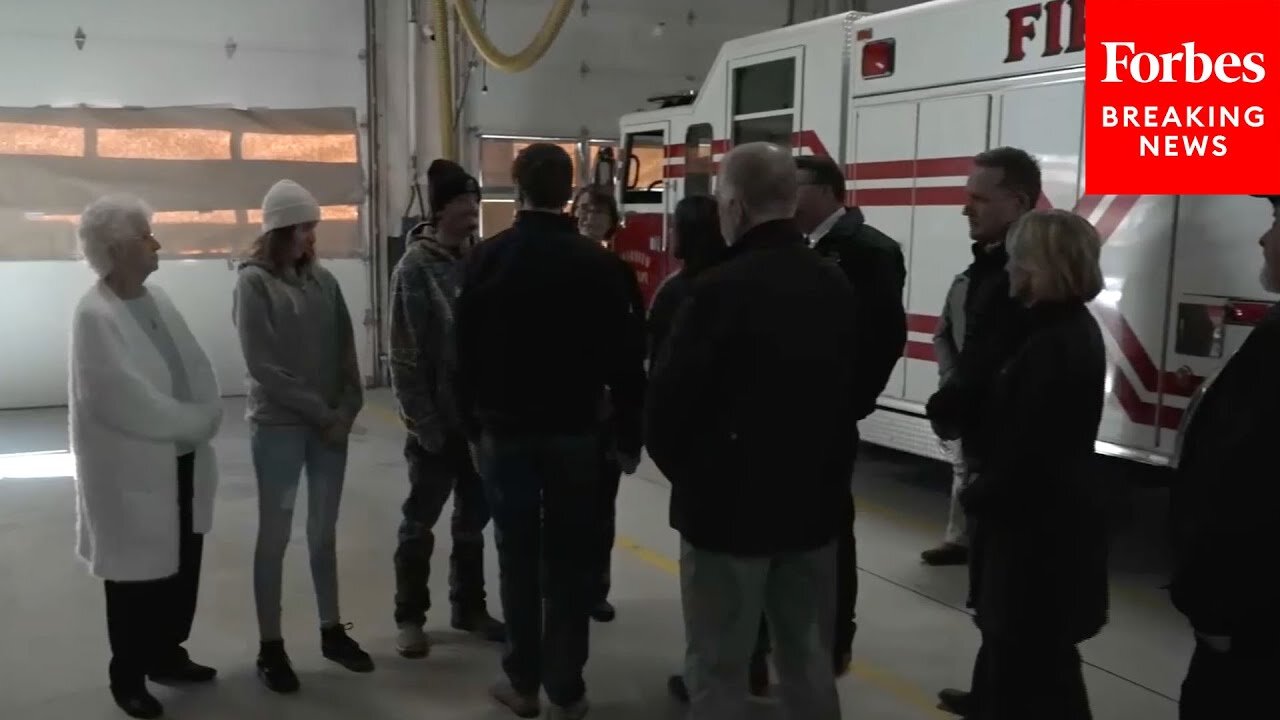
(205, 181)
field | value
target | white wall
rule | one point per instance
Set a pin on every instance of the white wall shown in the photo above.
(290, 53)
(627, 62)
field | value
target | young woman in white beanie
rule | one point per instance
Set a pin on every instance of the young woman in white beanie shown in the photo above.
(304, 395)
(144, 405)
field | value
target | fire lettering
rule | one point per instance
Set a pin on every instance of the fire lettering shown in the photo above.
(1022, 27)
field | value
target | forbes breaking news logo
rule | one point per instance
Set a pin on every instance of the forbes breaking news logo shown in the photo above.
(1181, 108)
(1173, 129)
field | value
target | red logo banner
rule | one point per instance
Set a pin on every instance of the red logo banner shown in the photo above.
(1182, 98)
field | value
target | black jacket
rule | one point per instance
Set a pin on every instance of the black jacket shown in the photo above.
(995, 325)
(635, 335)
(1038, 566)
(1225, 496)
(752, 403)
(545, 323)
(874, 264)
(667, 301)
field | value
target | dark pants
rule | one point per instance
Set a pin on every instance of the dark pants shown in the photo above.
(606, 515)
(432, 477)
(844, 627)
(1020, 677)
(846, 590)
(543, 492)
(1234, 684)
(148, 621)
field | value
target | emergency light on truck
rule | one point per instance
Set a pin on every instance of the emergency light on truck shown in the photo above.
(877, 59)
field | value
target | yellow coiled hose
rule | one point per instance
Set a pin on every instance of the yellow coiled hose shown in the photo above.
(518, 62)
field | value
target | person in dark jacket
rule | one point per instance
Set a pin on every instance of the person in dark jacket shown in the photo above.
(1223, 522)
(1040, 545)
(751, 407)
(699, 245)
(424, 290)
(874, 264)
(1003, 186)
(598, 218)
(542, 331)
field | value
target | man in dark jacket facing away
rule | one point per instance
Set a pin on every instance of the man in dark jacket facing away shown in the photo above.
(1003, 186)
(1224, 499)
(875, 267)
(544, 327)
(751, 409)
(424, 290)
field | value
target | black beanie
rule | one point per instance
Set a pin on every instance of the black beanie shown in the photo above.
(447, 180)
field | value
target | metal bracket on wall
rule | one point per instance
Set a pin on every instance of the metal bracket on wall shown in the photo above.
(80, 37)
(231, 47)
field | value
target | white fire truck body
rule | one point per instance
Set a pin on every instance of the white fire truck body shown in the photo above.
(904, 100)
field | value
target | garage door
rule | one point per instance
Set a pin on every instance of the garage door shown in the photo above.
(198, 108)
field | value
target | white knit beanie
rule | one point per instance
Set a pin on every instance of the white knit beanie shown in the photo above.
(287, 204)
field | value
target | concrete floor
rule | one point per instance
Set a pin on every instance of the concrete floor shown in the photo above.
(914, 636)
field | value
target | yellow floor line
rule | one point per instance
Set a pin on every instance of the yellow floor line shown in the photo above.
(901, 689)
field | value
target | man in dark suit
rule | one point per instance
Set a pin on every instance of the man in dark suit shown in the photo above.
(874, 264)
(752, 405)
(1223, 505)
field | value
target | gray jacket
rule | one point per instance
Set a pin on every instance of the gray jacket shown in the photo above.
(299, 345)
(948, 338)
(424, 294)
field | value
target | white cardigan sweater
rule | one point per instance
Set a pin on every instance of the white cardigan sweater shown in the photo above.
(125, 429)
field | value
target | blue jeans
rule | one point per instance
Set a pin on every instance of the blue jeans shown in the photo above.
(280, 453)
(542, 491)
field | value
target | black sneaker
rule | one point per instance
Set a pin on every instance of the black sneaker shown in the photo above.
(337, 646)
(677, 688)
(274, 668)
(957, 702)
(946, 554)
(603, 612)
(480, 623)
(137, 703)
(182, 671)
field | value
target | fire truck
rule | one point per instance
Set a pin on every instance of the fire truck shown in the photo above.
(904, 100)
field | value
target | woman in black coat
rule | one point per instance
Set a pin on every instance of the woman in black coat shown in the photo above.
(699, 245)
(1039, 573)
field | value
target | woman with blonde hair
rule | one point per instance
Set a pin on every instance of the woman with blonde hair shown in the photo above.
(304, 394)
(1039, 540)
(144, 404)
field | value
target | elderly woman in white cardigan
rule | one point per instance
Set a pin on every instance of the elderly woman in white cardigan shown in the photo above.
(144, 406)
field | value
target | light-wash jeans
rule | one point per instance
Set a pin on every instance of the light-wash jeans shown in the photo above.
(280, 453)
(723, 597)
(957, 522)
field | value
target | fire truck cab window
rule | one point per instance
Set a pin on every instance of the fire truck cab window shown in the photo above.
(765, 87)
(698, 165)
(642, 173)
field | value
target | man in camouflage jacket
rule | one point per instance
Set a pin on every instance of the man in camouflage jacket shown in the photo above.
(424, 290)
